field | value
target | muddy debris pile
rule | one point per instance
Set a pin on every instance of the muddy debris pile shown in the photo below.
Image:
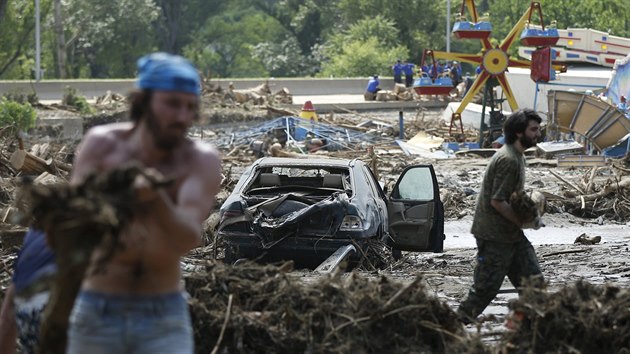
(582, 318)
(600, 192)
(253, 309)
(32, 158)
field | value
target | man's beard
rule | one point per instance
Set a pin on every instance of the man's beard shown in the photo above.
(526, 141)
(163, 140)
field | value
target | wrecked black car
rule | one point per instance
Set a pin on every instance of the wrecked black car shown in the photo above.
(307, 209)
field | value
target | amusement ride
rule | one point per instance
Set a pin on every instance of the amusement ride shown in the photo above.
(493, 61)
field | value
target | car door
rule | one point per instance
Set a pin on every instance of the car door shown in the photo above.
(416, 213)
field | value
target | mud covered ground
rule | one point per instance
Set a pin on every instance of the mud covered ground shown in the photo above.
(278, 309)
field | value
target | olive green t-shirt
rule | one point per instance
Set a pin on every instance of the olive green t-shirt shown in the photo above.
(505, 174)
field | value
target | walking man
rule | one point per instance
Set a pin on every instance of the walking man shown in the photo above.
(137, 305)
(502, 248)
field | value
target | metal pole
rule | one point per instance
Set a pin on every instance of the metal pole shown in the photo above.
(401, 125)
(482, 125)
(38, 62)
(536, 97)
(448, 26)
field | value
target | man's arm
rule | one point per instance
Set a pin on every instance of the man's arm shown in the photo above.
(95, 144)
(505, 209)
(182, 221)
(8, 328)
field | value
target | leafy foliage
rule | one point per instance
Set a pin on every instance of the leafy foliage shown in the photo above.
(285, 59)
(368, 47)
(363, 58)
(72, 98)
(106, 37)
(17, 28)
(247, 38)
(15, 116)
(223, 47)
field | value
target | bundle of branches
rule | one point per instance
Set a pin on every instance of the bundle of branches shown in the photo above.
(253, 309)
(582, 318)
(455, 202)
(77, 219)
(612, 200)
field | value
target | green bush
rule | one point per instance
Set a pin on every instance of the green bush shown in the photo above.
(73, 99)
(22, 97)
(15, 116)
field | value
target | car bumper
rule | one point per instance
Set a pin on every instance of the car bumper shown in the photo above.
(305, 252)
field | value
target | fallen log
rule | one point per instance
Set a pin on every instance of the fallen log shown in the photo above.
(611, 188)
(281, 111)
(572, 185)
(24, 161)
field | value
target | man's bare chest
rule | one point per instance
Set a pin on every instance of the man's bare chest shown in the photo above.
(173, 172)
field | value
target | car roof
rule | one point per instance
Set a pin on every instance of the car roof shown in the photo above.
(287, 161)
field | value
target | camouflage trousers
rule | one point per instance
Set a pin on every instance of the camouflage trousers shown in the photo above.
(495, 260)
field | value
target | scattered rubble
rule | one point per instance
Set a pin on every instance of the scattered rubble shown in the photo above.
(581, 318)
(251, 309)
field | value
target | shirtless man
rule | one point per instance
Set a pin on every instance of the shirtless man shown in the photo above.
(137, 305)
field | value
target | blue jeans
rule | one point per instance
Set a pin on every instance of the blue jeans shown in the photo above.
(104, 323)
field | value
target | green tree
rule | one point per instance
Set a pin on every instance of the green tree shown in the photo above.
(105, 38)
(309, 21)
(15, 116)
(223, 47)
(17, 25)
(368, 47)
(285, 59)
(611, 16)
(179, 19)
(421, 24)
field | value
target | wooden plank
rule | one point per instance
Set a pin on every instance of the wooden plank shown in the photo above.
(581, 161)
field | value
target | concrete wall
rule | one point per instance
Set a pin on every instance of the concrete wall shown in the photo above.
(53, 89)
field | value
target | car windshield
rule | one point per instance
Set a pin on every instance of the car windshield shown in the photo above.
(287, 178)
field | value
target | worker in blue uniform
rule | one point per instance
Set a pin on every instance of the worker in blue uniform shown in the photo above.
(372, 88)
(398, 70)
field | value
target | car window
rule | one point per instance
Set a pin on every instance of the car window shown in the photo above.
(415, 184)
(284, 177)
(371, 180)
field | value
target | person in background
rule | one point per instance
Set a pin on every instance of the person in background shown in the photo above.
(623, 105)
(408, 69)
(440, 68)
(456, 73)
(398, 70)
(28, 294)
(372, 88)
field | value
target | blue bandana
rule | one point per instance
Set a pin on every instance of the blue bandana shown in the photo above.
(167, 72)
